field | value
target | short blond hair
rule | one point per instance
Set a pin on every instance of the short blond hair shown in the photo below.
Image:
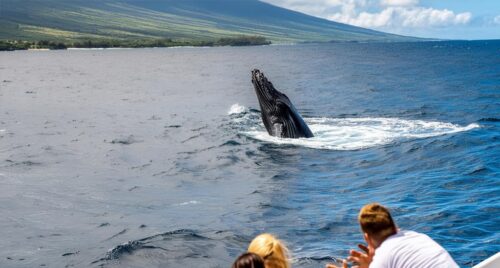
(376, 221)
(272, 250)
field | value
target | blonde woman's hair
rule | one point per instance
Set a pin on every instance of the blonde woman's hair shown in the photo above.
(272, 250)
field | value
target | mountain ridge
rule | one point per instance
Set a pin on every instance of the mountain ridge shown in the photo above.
(186, 20)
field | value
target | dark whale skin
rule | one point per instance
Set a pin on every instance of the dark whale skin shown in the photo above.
(279, 116)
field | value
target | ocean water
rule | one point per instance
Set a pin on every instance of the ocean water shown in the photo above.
(158, 157)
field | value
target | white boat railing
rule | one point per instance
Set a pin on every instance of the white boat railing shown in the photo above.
(491, 262)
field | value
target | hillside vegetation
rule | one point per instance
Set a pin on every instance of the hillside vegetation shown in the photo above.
(180, 20)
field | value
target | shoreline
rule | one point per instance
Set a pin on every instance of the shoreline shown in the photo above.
(187, 45)
(12, 45)
(118, 48)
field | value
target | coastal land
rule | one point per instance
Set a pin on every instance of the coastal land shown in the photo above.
(57, 24)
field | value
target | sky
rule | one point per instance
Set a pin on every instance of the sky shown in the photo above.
(445, 19)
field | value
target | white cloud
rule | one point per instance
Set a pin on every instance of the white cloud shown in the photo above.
(496, 20)
(365, 19)
(399, 2)
(378, 13)
(411, 17)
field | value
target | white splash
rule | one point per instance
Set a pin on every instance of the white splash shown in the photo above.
(236, 109)
(192, 202)
(362, 133)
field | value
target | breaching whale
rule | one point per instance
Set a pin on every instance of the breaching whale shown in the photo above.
(280, 117)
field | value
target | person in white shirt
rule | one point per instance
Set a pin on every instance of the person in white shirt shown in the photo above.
(389, 247)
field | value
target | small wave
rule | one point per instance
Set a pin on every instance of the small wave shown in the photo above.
(70, 253)
(179, 248)
(125, 140)
(119, 250)
(116, 235)
(478, 170)
(236, 109)
(316, 259)
(489, 119)
(28, 163)
(230, 143)
(173, 126)
(361, 133)
(131, 246)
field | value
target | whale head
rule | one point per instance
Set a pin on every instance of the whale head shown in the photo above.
(267, 95)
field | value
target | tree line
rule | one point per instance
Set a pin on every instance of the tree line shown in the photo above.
(136, 43)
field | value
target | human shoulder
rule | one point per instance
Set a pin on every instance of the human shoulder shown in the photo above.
(399, 242)
(384, 253)
(411, 249)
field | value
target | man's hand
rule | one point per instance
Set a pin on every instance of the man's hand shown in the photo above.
(362, 259)
(344, 265)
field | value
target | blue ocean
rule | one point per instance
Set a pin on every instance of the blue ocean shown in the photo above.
(159, 158)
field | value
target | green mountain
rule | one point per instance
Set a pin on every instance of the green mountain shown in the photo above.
(183, 20)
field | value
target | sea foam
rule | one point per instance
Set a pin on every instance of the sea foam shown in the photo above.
(236, 109)
(358, 133)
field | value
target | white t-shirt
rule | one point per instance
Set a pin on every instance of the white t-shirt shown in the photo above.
(408, 249)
